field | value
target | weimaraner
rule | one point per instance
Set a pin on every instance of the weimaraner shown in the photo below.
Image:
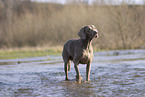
(80, 51)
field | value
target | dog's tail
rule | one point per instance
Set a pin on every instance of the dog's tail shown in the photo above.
(69, 65)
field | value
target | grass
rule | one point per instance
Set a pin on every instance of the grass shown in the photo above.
(29, 52)
(14, 53)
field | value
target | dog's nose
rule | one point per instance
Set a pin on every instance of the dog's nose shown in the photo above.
(96, 35)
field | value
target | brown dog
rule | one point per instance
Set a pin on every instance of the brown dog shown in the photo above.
(80, 51)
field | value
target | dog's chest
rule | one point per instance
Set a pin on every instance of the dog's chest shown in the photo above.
(87, 56)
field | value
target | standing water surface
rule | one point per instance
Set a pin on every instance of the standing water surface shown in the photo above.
(113, 73)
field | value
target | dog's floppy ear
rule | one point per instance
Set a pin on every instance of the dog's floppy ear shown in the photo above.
(82, 33)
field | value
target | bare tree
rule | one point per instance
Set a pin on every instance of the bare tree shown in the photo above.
(128, 21)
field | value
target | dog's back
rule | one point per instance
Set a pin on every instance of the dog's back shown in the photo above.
(68, 49)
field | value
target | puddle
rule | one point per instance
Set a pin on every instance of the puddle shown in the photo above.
(113, 73)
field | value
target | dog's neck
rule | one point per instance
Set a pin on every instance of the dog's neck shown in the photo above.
(86, 43)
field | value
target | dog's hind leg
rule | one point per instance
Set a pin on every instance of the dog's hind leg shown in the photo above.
(69, 65)
(66, 70)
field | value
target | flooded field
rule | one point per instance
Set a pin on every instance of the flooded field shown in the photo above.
(113, 74)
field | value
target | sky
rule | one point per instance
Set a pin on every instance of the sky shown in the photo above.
(90, 1)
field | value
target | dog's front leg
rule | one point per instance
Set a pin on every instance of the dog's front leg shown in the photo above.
(78, 76)
(88, 68)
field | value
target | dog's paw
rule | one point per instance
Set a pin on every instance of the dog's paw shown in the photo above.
(66, 79)
(88, 80)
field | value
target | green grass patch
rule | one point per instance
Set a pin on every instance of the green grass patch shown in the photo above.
(98, 50)
(24, 53)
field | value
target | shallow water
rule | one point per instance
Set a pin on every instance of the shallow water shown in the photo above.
(113, 74)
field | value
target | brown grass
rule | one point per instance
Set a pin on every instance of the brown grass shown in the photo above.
(31, 24)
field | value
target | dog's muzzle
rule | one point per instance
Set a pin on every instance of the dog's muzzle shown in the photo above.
(96, 33)
(96, 36)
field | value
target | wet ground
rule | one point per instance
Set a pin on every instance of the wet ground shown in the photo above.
(113, 74)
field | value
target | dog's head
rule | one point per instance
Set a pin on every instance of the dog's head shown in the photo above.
(88, 31)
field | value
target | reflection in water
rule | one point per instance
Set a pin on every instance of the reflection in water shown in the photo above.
(112, 74)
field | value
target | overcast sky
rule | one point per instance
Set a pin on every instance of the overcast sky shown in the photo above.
(115, 1)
